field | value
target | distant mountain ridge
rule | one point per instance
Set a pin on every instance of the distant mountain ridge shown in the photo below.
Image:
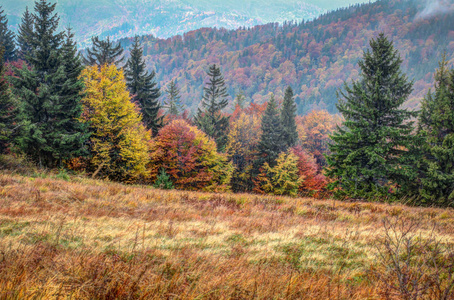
(315, 57)
(166, 18)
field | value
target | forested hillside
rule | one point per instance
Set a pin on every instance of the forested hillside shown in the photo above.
(166, 18)
(315, 57)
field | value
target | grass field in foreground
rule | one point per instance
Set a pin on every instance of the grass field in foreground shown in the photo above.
(87, 239)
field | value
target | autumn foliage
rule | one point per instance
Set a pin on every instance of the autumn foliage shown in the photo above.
(314, 131)
(282, 179)
(119, 140)
(241, 149)
(313, 182)
(190, 159)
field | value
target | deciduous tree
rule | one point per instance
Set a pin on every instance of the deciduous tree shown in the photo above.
(119, 142)
(190, 158)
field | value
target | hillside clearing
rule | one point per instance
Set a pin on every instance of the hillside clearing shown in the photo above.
(90, 239)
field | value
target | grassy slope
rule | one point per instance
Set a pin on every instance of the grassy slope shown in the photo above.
(97, 240)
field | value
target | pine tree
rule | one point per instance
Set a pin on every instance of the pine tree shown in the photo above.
(210, 119)
(370, 151)
(143, 88)
(6, 38)
(271, 142)
(288, 114)
(8, 109)
(172, 103)
(50, 93)
(240, 100)
(25, 34)
(103, 52)
(436, 128)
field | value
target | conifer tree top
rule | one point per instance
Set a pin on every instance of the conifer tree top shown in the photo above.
(6, 38)
(104, 52)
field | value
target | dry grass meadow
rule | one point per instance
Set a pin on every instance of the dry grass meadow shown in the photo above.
(88, 239)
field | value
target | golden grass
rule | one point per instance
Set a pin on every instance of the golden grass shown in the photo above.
(87, 239)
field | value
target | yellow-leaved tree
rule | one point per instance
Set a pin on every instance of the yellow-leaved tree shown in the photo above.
(242, 141)
(119, 142)
(283, 178)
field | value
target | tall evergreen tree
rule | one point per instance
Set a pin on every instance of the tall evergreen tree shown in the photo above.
(436, 127)
(50, 93)
(8, 109)
(6, 38)
(271, 142)
(104, 52)
(209, 117)
(369, 152)
(25, 34)
(143, 88)
(288, 114)
(172, 103)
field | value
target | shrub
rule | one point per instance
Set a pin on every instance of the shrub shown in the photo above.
(163, 181)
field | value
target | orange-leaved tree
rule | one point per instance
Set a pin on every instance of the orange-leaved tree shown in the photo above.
(190, 157)
(119, 142)
(312, 182)
(315, 129)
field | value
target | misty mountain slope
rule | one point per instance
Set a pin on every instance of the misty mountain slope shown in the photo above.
(165, 18)
(315, 58)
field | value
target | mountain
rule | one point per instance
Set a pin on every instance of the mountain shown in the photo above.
(165, 18)
(314, 57)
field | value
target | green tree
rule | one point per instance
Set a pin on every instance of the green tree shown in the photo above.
(240, 100)
(370, 151)
(271, 143)
(8, 109)
(288, 114)
(50, 94)
(103, 52)
(163, 181)
(25, 34)
(6, 38)
(209, 117)
(436, 127)
(143, 88)
(172, 103)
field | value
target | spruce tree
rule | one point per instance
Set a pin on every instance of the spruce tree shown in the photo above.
(209, 117)
(143, 88)
(436, 127)
(50, 93)
(288, 114)
(104, 52)
(240, 100)
(271, 142)
(370, 153)
(6, 38)
(172, 103)
(8, 109)
(25, 34)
